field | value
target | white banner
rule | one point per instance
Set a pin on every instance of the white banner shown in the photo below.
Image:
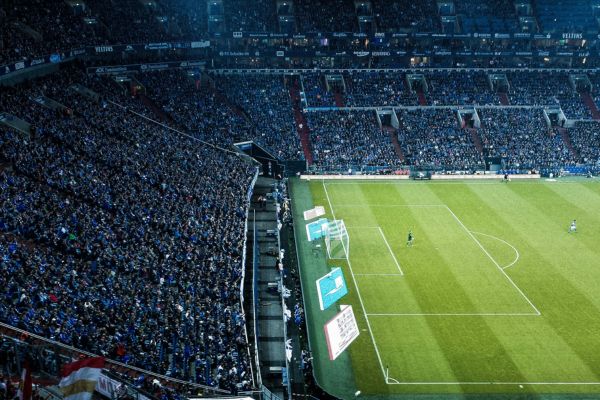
(340, 331)
(314, 213)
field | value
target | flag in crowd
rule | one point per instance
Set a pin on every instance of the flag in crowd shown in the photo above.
(25, 386)
(80, 377)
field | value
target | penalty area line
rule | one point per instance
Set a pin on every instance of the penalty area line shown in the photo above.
(493, 260)
(453, 315)
(495, 383)
(391, 252)
(362, 304)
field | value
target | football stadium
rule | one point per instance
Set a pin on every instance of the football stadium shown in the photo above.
(299, 199)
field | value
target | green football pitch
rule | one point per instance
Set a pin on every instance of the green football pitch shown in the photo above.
(495, 296)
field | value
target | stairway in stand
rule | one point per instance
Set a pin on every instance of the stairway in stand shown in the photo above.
(301, 124)
(422, 98)
(504, 99)
(151, 105)
(394, 138)
(339, 99)
(566, 138)
(224, 100)
(591, 104)
(476, 139)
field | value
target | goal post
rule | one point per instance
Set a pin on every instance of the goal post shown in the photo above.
(337, 240)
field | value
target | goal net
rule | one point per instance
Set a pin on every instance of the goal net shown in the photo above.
(337, 240)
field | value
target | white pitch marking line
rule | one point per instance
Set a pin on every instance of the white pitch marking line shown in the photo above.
(496, 383)
(389, 205)
(452, 314)
(391, 252)
(362, 305)
(505, 242)
(378, 275)
(494, 261)
(388, 246)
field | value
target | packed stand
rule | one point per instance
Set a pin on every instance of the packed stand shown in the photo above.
(187, 20)
(433, 138)
(119, 237)
(460, 88)
(487, 16)
(342, 138)
(130, 21)
(418, 16)
(316, 91)
(60, 27)
(224, 109)
(368, 89)
(63, 26)
(325, 16)
(595, 92)
(565, 16)
(522, 138)
(267, 102)
(585, 137)
(572, 105)
(526, 88)
(259, 17)
(546, 89)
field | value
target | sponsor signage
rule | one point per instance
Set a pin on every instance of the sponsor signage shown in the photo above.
(340, 332)
(331, 288)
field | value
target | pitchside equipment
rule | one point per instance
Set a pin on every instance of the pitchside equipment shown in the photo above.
(316, 230)
(331, 288)
(340, 331)
(337, 240)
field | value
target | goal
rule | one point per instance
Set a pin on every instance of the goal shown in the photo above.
(337, 240)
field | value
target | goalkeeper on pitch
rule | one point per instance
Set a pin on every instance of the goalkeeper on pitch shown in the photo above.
(410, 239)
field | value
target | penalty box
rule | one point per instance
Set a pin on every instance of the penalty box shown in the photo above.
(447, 272)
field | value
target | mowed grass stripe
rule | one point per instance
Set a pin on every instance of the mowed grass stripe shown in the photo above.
(368, 240)
(538, 271)
(560, 346)
(443, 277)
(453, 343)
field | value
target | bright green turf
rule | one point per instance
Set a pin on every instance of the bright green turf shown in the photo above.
(447, 272)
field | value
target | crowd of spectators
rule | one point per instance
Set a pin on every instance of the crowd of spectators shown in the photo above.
(266, 100)
(433, 138)
(316, 92)
(526, 88)
(34, 28)
(418, 16)
(367, 89)
(122, 238)
(487, 15)
(459, 88)
(522, 138)
(595, 90)
(547, 89)
(585, 137)
(223, 109)
(342, 138)
(565, 16)
(260, 17)
(450, 87)
(326, 16)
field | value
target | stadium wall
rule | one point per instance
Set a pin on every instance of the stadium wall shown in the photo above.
(406, 177)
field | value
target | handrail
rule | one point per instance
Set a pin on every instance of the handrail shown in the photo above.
(4, 328)
(255, 257)
(175, 130)
(244, 255)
